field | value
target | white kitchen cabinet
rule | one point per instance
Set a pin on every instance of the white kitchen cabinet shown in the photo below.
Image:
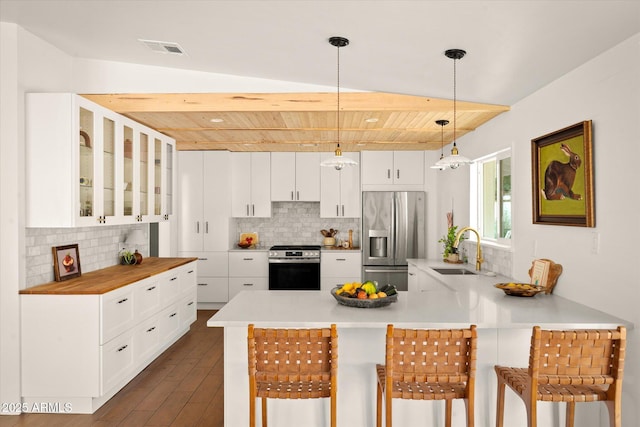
(83, 348)
(87, 165)
(340, 189)
(205, 197)
(250, 185)
(213, 276)
(399, 168)
(338, 267)
(248, 270)
(295, 177)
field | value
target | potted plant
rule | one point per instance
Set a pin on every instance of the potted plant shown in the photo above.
(450, 253)
(127, 258)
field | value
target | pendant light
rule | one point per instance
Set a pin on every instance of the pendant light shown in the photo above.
(440, 164)
(454, 159)
(338, 161)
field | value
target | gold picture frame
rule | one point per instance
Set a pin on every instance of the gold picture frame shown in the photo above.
(66, 262)
(562, 177)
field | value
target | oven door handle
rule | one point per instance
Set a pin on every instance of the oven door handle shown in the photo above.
(295, 261)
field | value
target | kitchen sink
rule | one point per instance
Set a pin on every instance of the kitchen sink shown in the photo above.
(453, 271)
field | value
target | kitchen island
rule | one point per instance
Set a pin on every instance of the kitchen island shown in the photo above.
(504, 330)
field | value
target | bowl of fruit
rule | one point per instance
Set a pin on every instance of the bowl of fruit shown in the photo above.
(519, 289)
(365, 295)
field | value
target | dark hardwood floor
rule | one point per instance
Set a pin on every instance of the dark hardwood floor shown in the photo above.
(182, 387)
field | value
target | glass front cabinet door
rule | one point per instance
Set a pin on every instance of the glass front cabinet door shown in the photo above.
(87, 165)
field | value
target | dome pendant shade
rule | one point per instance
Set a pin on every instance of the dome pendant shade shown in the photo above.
(338, 161)
(440, 165)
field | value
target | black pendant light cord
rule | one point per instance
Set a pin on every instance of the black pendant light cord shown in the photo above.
(454, 101)
(338, 92)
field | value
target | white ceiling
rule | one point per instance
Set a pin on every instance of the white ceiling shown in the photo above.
(514, 47)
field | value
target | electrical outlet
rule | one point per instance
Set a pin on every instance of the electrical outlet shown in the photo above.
(595, 243)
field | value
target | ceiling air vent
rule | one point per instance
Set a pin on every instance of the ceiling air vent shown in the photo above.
(163, 47)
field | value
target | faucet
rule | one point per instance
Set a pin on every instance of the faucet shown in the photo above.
(479, 259)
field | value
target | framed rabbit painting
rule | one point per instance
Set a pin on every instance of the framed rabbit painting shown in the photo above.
(562, 169)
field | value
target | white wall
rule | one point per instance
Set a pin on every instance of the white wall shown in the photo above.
(605, 90)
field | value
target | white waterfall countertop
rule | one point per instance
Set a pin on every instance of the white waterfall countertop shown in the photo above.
(452, 301)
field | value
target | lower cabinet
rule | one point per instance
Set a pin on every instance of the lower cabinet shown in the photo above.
(248, 271)
(338, 267)
(78, 350)
(213, 276)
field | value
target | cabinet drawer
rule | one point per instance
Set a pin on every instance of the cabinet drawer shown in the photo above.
(169, 323)
(146, 339)
(117, 361)
(188, 312)
(147, 298)
(213, 289)
(239, 284)
(117, 313)
(210, 264)
(248, 264)
(340, 264)
(169, 287)
(188, 278)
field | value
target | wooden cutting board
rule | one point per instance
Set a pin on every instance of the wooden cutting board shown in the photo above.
(243, 237)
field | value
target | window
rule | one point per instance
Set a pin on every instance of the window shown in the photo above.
(491, 184)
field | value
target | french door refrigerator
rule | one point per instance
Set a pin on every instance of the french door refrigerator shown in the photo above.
(393, 229)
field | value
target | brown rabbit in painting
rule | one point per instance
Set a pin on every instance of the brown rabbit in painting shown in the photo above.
(559, 177)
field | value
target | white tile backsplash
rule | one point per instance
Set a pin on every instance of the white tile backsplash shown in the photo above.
(498, 260)
(297, 223)
(98, 247)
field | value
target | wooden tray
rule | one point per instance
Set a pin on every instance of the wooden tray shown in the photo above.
(520, 289)
(363, 303)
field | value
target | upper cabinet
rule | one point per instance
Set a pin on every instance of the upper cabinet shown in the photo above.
(340, 189)
(203, 183)
(295, 177)
(397, 168)
(250, 185)
(87, 165)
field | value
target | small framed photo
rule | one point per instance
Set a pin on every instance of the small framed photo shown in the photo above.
(66, 262)
(562, 169)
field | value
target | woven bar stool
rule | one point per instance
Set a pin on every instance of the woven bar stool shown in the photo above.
(568, 366)
(428, 364)
(292, 364)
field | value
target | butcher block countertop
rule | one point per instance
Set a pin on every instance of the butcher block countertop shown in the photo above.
(108, 279)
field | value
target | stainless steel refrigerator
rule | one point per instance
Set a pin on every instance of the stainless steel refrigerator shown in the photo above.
(393, 229)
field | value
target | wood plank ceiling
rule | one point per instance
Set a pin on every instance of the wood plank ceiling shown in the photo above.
(300, 121)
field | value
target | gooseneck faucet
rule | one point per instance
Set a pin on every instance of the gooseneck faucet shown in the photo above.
(479, 259)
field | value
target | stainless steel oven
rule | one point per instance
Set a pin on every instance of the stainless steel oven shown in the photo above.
(294, 268)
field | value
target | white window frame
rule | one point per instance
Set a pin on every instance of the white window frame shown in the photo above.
(476, 192)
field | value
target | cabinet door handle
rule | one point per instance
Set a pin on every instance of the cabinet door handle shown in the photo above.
(151, 329)
(190, 303)
(203, 259)
(206, 227)
(342, 210)
(123, 300)
(173, 278)
(247, 259)
(203, 284)
(151, 288)
(253, 210)
(411, 274)
(197, 227)
(123, 347)
(398, 174)
(292, 196)
(247, 284)
(173, 314)
(190, 271)
(247, 210)
(341, 259)
(388, 173)
(297, 195)
(337, 210)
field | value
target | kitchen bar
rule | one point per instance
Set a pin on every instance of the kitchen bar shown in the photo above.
(504, 330)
